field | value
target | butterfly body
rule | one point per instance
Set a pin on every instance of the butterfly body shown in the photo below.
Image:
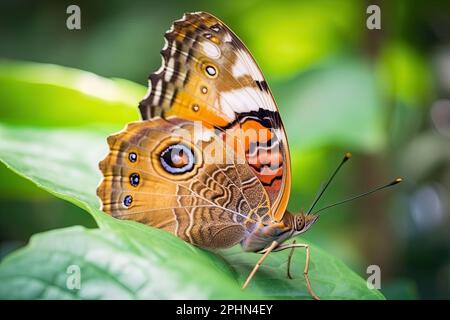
(263, 234)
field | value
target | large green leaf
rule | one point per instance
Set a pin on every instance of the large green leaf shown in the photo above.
(64, 162)
(51, 95)
(118, 263)
(41, 94)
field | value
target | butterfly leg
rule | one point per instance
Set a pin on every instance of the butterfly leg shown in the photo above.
(290, 260)
(260, 261)
(306, 270)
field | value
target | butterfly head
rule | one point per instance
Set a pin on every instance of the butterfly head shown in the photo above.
(299, 223)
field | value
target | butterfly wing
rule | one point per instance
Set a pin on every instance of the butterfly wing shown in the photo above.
(208, 75)
(182, 178)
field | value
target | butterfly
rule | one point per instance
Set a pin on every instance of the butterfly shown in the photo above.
(210, 161)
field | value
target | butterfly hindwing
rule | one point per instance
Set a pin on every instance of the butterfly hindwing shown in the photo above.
(204, 198)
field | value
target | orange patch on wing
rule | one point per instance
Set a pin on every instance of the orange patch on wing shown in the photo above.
(186, 107)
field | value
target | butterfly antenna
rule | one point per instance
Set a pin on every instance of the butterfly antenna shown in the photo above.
(347, 156)
(396, 181)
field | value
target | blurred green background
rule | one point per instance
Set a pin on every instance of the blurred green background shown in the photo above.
(382, 94)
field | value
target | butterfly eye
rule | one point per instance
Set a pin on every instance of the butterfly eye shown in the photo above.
(300, 222)
(177, 159)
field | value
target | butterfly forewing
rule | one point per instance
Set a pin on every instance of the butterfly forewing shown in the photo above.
(209, 75)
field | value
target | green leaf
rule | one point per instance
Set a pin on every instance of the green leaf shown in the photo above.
(61, 161)
(123, 263)
(41, 94)
(330, 278)
(64, 162)
(50, 95)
